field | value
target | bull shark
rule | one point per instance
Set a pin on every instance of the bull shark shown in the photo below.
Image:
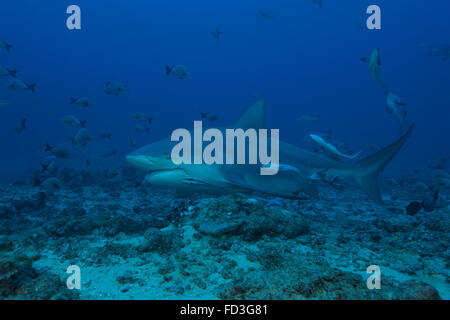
(294, 179)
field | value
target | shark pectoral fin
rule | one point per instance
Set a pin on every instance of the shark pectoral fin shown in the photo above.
(241, 185)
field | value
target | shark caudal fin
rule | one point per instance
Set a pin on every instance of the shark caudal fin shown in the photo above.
(368, 168)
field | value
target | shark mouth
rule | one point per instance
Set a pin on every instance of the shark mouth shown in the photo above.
(195, 182)
(156, 171)
(186, 180)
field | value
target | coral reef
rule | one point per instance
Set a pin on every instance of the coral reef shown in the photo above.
(135, 242)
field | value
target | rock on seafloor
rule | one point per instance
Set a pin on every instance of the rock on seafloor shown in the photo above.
(132, 241)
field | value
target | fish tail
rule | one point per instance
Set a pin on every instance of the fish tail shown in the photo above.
(44, 167)
(8, 47)
(32, 87)
(72, 100)
(370, 167)
(48, 147)
(168, 70)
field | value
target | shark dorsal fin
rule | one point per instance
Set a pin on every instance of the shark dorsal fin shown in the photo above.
(254, 117)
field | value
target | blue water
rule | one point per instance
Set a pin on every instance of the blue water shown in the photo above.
(305, 62)
(134, 241)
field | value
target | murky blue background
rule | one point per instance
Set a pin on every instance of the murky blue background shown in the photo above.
(305, 62)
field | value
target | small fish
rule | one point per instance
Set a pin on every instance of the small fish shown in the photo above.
(82, 102)
(105, 135)
(413, 208)
(19, 85)
(44, 167)
(82, 137)
(329, 147)
(115, 88)
(142, 117)
(73, 121)
(396, 107)
(50, 167)
(374, 66)
(440, 164)
(52, 184)
(36, 181)
(58, 151)
(5, 45)
(5, 72)
(178, 71)
(21, 125)
(139, 128)
(209, 116)
(309, 118)
(442, 51)
(217, 34)
(263, 14)
(3, 103)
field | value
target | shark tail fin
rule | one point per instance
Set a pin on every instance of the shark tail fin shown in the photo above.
(369, 168)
